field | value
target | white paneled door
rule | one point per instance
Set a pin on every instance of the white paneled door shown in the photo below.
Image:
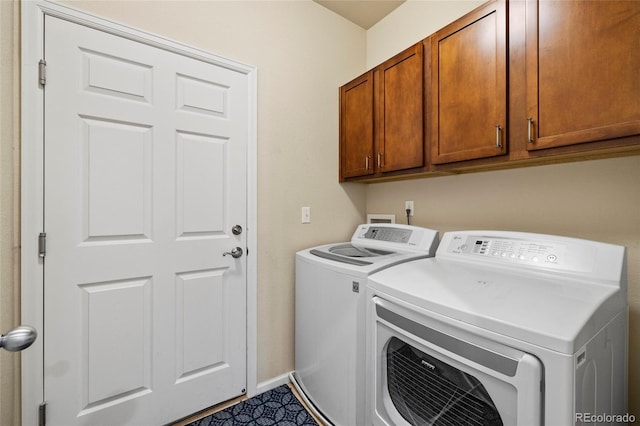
(145, 177)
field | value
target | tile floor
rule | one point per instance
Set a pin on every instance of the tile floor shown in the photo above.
(226, 404)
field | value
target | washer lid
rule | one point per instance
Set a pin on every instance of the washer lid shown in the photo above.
(374, 247)
(349, 254)
(363, 259)
(350, 250)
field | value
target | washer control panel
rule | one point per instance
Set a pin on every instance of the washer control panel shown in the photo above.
(395, 236)
(392, 235)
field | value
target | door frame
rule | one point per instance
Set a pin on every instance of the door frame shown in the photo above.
(32, 182)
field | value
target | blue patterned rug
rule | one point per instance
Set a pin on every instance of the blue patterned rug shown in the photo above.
(278, 406)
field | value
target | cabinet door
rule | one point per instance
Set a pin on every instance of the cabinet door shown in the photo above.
(583, 71)
(469, 86)
(399, 111)
(356, 127)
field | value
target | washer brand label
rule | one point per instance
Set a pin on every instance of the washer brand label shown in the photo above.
(429, 366)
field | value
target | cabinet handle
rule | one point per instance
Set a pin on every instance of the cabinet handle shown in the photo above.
(380, 160)
(366, 162)
(498, 136)
(530, 130)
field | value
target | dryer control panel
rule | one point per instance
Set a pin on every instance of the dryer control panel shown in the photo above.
(515, 249)
(518, 249)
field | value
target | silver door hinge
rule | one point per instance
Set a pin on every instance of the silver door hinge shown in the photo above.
(42, 244)
(42, 414)
(42, 72)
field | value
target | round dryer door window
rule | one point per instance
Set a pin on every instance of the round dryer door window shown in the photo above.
(427, 391)
(427, 372)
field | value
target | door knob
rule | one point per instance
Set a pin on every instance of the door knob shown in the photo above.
(18, 339)
(235, 253)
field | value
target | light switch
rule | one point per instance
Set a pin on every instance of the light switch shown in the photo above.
(306, 215)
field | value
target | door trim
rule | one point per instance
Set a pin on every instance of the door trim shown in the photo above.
(32, 182)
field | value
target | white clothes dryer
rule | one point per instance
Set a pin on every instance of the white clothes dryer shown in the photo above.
(330, 321)
(500, 328)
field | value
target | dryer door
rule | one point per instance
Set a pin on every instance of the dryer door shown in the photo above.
(428, 372)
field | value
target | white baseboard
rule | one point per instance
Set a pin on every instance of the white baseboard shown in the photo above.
(319, 417)
(283, 379)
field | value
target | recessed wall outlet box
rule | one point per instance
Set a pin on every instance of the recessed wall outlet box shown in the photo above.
(381, 218)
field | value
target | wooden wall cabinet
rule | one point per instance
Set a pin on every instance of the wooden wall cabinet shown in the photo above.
(469, 86)
(582, 71)
(356, 127)
(509, 84)
(381, 118)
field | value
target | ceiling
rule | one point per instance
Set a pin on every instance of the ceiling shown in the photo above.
(364, 13)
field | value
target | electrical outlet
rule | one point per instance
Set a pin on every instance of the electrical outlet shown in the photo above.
(408, 205)
(306, 215)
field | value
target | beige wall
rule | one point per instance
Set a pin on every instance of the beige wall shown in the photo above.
(411, 22)
(9, 206)
(598, 200)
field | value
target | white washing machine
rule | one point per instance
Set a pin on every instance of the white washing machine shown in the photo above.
(330, 321)
(500, 328)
